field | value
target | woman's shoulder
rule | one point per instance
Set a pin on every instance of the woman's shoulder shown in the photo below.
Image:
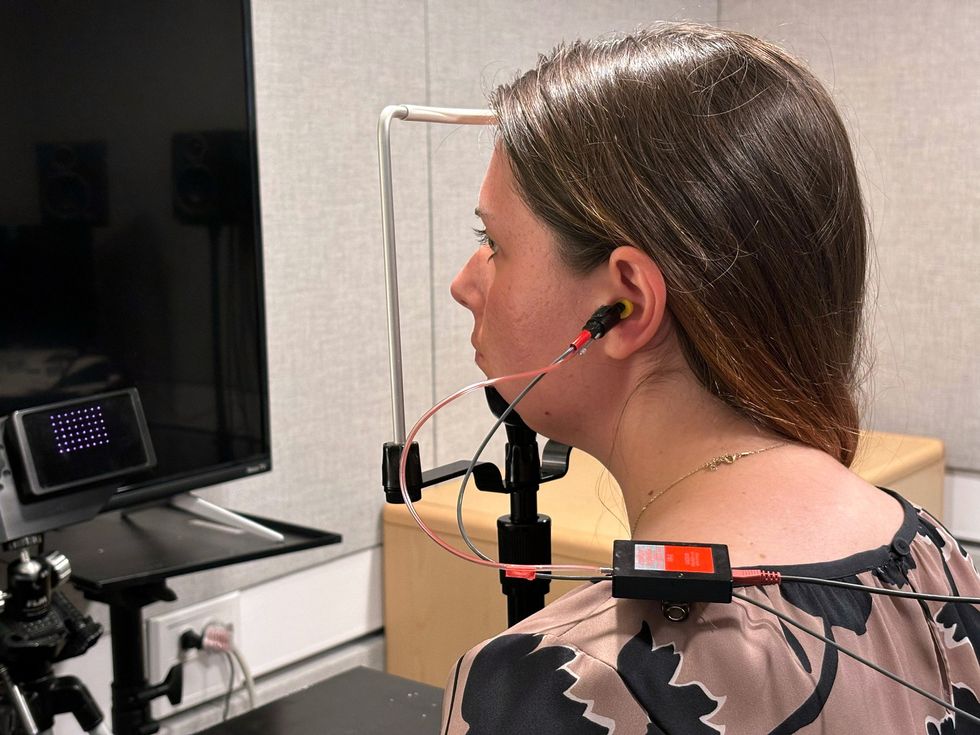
(577, 620)
(589, 658)
(549, 673)
(802, 507)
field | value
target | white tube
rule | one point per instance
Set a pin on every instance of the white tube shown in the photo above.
(391, 271)
(450, 115)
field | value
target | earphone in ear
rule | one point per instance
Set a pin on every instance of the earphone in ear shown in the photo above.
(606, 317)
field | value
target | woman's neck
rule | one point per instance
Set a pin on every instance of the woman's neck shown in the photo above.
(668, 428)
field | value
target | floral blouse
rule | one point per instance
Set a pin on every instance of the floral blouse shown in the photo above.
(590, 663)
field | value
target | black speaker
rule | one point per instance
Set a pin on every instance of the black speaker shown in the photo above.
(211, 177)
(73, 184)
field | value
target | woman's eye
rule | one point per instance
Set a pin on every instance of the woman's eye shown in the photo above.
(483, 239)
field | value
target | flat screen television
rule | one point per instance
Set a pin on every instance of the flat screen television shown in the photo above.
(130, 249)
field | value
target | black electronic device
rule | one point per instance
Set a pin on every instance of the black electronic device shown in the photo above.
(62, 462)
(671, 571)
(130, 248)
(74, 444)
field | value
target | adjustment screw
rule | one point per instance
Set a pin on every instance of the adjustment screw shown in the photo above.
(60, 566)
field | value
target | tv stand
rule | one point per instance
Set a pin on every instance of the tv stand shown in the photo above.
(198, 506)
(124, 560)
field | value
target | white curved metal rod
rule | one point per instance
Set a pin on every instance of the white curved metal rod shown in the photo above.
(410, 113)
(452, 115)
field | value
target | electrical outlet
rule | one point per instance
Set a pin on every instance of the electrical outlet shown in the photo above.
(205, 674)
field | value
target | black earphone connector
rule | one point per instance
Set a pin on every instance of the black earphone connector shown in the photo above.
(604, 318)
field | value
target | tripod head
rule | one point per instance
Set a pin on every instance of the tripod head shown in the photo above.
(39, 626)
(522, 463)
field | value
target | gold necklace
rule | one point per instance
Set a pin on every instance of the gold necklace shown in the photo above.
(711, 465)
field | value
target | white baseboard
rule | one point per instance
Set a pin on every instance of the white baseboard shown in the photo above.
(962, 505)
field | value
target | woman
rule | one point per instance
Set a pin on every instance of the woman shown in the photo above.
(706, 177)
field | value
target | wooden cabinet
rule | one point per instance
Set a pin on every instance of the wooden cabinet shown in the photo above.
(438, 606)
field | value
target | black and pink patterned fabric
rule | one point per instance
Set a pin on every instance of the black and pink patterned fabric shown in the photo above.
(589, 663)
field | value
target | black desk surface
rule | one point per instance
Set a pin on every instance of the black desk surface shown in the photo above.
(358, 702)
(118, 550)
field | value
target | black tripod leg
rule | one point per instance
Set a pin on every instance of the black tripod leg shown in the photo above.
(69, 694)
(19, 702)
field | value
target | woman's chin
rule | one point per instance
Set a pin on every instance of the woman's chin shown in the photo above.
(480, 361)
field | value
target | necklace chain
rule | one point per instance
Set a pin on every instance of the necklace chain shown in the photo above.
(711, 465)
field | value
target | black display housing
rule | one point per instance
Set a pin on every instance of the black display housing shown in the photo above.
(76, 444)
(60, 463)
(130, 241)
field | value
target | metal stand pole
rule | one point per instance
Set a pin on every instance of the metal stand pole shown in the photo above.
(131, 693)
(524, 536)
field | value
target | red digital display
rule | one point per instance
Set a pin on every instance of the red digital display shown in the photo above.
(666, 558)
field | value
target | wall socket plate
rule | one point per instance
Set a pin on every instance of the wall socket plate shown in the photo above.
(205, 674)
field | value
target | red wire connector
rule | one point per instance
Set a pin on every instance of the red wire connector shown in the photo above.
(214, 637)
(754, 577)
(583, 339)
(528, 574)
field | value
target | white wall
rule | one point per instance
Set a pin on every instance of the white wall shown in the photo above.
(904, 75)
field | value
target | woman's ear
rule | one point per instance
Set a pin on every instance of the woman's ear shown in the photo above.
(633, 275)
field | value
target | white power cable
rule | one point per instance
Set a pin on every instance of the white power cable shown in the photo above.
(246, 672)
(218, 638)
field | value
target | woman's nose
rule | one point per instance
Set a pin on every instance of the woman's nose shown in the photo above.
(469, 285)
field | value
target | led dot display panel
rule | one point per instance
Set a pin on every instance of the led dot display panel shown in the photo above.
(83, 443)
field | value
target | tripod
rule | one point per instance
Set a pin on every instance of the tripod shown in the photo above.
(39, 627)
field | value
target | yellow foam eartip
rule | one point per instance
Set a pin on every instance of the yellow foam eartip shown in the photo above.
(627, 308)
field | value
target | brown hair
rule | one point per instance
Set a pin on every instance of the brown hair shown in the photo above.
(725, 160)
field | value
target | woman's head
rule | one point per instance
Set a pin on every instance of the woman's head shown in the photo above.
(724, 160)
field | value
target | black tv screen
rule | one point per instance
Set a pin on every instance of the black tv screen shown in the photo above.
(130, 251)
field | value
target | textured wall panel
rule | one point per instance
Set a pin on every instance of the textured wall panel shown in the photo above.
(905, 75)
(324, 71)
(473, 47)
